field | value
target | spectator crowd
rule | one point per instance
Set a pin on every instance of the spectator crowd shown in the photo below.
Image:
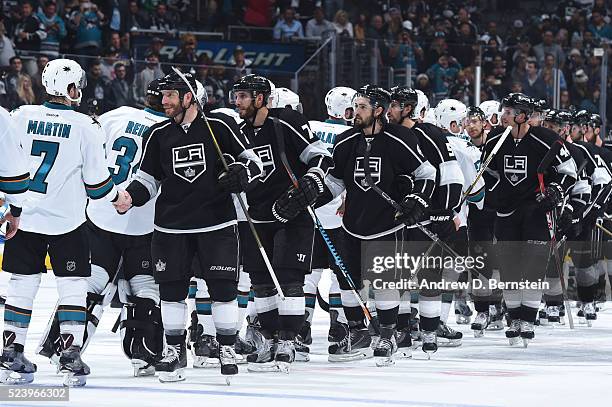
(522, 46)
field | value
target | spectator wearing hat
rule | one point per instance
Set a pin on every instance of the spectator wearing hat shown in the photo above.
(288, 27)
(580, 90)
(533, 85)
(238, 66)
(599, 27)
(119, 91)
(547, 46)
(317, 26)
(342, 25)
(187, 54)
(54, 27)
(157, 43)
(442, 76)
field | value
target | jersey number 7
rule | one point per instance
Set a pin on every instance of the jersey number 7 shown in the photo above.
(50, 150)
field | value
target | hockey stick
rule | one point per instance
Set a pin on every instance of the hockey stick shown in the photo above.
(330, 245)
(486, 164)
(544, 164)
(262, 251)
(606, 231)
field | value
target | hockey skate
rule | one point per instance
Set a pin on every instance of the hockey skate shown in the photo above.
(302, 352)
(404, 343)
(305, 333)
(447, 336)
(262, 360)
(514, 332)
(205, 352)
(542, 318)
(242, 350)
(590, 313)
(15, 368)
(227, 359)
(430, 344)
(253, 336)
(552, 315)
(481, 322)
(337, 330)
(172, 366)
(386, 347)
(496, 318)
(354, 346)
(285, 355)
(74, 369)
(527, 332)
(462, 312)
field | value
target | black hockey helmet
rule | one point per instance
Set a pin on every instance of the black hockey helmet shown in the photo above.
(596, 121)
(475, 111)
(173, 81)
(581, 117)
(378, 96)
(405, 95)
(255, 84)
(519, 102)
(564, 117)
(154, 96)
(551, 115)
(539, 105)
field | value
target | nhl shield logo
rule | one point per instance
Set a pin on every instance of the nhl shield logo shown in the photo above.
(515, 168)
(71, 265)
(359, 173)
(189, 162)
(266, 157)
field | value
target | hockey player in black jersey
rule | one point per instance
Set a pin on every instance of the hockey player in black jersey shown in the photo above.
(387, 156)
(282, 139)
(522, 227)
(194, 215)
(444, 206)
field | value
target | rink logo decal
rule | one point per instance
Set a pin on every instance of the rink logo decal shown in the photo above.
(188, 162)
(267, 159)
(160, 266)
(359, 174)
(515, 168)
(70, 265)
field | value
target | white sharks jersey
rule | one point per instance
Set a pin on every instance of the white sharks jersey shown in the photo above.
(468, 156)
(14, 163)
(327, 133)
(67, 166)
(123, 128)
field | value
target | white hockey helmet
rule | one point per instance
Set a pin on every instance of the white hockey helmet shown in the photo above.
(201, 93)
(230, 112)
(339, 99)
(59, 74)
(272, 96)
(430, 117)
(422, 103)
(284, 97)
(449, 111)
(491, 108)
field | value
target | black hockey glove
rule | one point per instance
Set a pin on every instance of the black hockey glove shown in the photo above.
(551, 197)
(569, 223)
(414, 208)
(597, 211)
(295, 200)
(236, 179)
(442, 223)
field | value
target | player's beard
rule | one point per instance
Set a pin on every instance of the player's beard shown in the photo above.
(361, 123)
(247, 113)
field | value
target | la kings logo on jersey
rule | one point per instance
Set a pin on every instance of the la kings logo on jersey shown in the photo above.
(188, 162)
(359, 173)
(266, 157)
(515, 168)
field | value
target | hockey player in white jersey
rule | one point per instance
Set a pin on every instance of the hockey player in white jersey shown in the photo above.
(492, 112)
(14, 175)
(340, 110)
(68, 166)
(123, 242)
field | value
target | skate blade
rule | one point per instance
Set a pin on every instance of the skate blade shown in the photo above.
(360, 354)
(544, 322)
(514, 341)
(526, 342)
(478, 333)
(582, 320)
(383, 361)
(404, 353)
(495, 326)
(203, 362)
(463, 321)
(170, 377)
(262, 367)
(15, 378)
(589, 323)
(449, 343)
(240, 360)
(72, 380)
(283, 367)
(302, 357)
(142, 368)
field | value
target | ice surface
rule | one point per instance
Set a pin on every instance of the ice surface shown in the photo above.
(559, 368)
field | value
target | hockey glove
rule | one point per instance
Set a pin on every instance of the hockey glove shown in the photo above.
(551, 197)
(236, 179)
(413, 210)
(597, 211)
(569, 222)
(295, 200)
(442, 223)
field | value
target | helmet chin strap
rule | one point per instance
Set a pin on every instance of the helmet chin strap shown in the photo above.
(76, 100)
(182, 112)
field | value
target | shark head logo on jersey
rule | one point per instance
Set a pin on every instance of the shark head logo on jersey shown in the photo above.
(515, 168)
(265, 154)
(188, 162)
(359, 174)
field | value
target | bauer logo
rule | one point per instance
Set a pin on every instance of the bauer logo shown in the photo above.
(515, 168)
(188, 162)
(265, 154)
(359, 174)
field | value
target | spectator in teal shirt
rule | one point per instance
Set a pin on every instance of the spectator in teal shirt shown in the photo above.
(442, 76)
(598, 26)
(55, 28)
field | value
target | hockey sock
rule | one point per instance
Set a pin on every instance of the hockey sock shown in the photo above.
(191, 296)
(291, 312)
(527, 313)
(267, 309)
(429, 308)
(403, 315)
(387, 306)
(225, 315)
(311, 282)
(18, 307)
(174, 316)
(204, 308)
(352, 309)
(335, 299)
(445, 306)
(244, 287)
(144, 286)
(72, 311)
(98, 280)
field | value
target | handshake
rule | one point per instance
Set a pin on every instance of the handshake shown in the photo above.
(123, 202)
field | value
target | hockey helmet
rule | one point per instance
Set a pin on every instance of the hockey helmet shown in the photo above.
(422, 106)
(59, 74)
(449, 111)
(339, 99)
